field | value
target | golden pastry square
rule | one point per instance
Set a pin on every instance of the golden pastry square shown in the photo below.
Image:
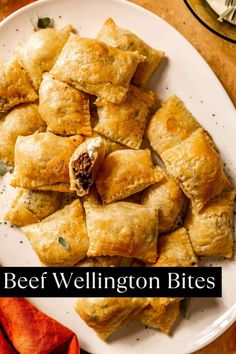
(170, 125)
(22, 120)
(96, 68)
(175, 250)
(15, 86)
(168, 198)
(29, 207)
(41, 161)
(63, 108)
(211, 230)
(126, 172)
(197, 168)
(121, 229)
(123, 39)
(125, 122)
(60, 239)
(105, 315)
(40, 52)
(161, 313)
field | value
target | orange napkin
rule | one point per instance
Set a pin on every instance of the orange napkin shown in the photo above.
(26, 330)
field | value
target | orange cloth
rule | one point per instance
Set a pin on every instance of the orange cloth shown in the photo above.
(26, 330)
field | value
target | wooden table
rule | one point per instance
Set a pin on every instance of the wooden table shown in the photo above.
(220, 55)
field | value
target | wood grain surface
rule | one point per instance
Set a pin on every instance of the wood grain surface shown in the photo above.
(220, 55)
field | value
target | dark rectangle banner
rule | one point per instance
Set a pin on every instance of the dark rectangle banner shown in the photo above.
(111, 282)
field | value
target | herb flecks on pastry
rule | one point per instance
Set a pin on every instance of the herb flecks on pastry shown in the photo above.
(41, 161)
(126, 172)
(211, 230)
(125, 122)
(168, 199)
(40, 52)
(29, 207)
(63, 108)
(197, 168)
(105, 315)
(96, 68)
(123, 39)
(68, 243)
(121, 229)
(15, 86)
(22, 120)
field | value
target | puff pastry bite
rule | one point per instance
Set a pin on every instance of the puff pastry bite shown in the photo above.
(64, 109)
(121, 229)
(125, 122)
(211, 230)
(170, 125)
(105, 315)
(96, 68)
(84, 165)
(29, 207)
(174, 250)
(161, 313)
(22, 120)
(61, 239)
(121, 38)
(40, 52)
(125, 172)
(197, 168)
(168, 198)
(15, 86)
(105, 261)
(41, 161)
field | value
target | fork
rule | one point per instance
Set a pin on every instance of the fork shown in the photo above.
(229, 12)
(230, 3)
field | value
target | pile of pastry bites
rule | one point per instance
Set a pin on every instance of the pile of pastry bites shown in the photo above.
(75, 112)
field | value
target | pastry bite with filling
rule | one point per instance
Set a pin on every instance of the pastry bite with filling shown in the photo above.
(96, 68)
(22, 120)
(60, 239)
(211, 230)
(123, 39)
(84, 165)
(63, 108)
(125, 122)
(197, 168)
(106, 315)
(126, 172)
(15, 86)
(110, 146)
(29, 207)
(168, 199)
(41, 161)
(40, 52)
(174, 250)
(170, 125)
(121, 229)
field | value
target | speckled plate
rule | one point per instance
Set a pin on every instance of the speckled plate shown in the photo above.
(184, 73)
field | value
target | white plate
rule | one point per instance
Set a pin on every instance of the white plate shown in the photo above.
(184, 73)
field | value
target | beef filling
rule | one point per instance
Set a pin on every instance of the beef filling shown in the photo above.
(82, 170)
